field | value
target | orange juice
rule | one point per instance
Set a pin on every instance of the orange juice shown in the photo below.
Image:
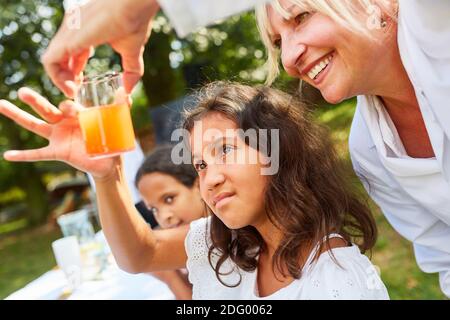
(107, 130)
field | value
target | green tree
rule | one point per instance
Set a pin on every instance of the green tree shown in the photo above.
(230, 50)
(25, 30)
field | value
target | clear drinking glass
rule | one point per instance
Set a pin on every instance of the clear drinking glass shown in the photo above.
(68, 258)
(105, 117)
(93, 255)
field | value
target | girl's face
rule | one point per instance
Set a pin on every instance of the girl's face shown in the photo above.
(320, 51)
(172, 203)
(231, 182)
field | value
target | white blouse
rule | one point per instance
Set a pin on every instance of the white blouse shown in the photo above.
(414, 194)
(188, 15)
(355, 278)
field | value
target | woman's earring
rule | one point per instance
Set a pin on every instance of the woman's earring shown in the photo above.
(383, 23)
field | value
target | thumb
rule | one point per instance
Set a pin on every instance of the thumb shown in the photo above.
(133, 69)
(69, 108)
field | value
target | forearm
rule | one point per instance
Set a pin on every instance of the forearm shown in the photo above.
(180, 286)
(187, 15)
(131, 240)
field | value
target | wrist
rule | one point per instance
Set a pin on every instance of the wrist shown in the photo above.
(135, 13)
(112, 175)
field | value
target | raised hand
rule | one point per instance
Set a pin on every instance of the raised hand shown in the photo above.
(60, 127)
(125, 25)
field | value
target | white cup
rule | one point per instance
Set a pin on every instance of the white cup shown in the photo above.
(67, 254)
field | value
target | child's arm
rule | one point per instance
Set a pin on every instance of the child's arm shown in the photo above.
(177, 282)
(135, 246)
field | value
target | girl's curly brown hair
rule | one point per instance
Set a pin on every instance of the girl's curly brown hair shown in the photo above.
(307, 199)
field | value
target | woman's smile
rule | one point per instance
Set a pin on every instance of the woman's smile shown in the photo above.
(317, 71)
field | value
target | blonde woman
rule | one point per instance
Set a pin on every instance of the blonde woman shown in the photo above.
(395, 56)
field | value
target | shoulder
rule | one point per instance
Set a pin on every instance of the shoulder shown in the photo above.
(350, 275)
(196, 242)
(428, 23)
(202, 276)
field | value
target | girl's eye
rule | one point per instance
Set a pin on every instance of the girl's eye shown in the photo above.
(200, 166)
(226, 149)
(169, 199)
(302, 17)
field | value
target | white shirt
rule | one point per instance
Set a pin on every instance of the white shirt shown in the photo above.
(414, 194)
(357, 279)
(187, 15)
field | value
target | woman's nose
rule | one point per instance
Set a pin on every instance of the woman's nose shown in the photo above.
(291, 55)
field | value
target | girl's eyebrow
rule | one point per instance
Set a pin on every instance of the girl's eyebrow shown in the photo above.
(213, 143)
(165, 194)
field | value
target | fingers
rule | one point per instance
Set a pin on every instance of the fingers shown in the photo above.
(121, 97)
(79, 61)
(69, 108)
(43, 154)
(56, 64)
(64, 67)
(41, 105)
(25, 120)
(133, 69)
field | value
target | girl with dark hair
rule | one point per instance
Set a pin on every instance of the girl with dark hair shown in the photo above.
(296, 233)
(171, 193)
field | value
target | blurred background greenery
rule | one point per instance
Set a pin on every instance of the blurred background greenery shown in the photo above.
(32, 194)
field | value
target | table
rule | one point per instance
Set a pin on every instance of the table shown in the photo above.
(114, 284)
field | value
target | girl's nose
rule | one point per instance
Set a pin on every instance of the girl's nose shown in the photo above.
(168, 219)
(214, 177)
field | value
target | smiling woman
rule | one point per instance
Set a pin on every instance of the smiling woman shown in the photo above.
(359, 17)
(395, 56)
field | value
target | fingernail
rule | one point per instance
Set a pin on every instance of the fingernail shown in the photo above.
(9, 154)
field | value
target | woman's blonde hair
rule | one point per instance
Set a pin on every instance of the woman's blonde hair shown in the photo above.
(345, 12)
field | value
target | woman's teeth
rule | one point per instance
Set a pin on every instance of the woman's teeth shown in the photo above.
(318, 68)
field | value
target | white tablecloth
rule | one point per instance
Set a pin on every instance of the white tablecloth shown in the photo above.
(115, 284)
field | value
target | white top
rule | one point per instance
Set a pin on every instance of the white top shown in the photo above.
(188, 15)
(414, 194)
(357, 279)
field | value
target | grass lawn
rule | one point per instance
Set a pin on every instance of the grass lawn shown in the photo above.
(24, 256)
(27, 254)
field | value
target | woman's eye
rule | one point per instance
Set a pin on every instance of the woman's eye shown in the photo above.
(200, 166)
(300, 18)
(169, 199)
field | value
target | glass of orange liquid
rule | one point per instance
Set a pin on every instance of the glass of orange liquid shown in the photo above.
(105, 117)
